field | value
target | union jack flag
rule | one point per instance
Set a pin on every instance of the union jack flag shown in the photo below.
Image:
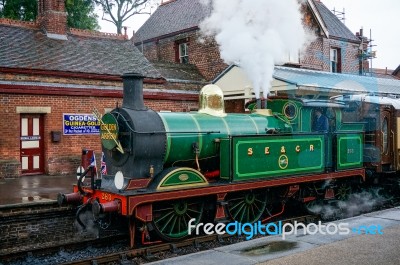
(94, 163)
(103, 164)
(93, 160)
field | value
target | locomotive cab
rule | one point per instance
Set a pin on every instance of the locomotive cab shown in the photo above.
(382, 121)
(343, 138)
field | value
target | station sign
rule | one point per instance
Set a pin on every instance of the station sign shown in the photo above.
(78, 124)
(30, 138)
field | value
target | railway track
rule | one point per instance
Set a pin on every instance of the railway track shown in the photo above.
(56, 254)
(19, 257)
(167, 250)
(120, 253)
(148, 253)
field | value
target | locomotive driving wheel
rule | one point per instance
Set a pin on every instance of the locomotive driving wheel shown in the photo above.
(170, 219)
(247, 207)
(343, 192)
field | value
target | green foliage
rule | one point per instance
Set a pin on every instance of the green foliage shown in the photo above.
(19, 9)
(81, 13)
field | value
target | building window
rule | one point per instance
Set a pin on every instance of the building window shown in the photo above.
(293, 57)
(183, 52)
(181, 48)
(335, 60)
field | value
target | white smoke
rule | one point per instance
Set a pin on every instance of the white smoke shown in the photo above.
(256, 35)
(356, 204)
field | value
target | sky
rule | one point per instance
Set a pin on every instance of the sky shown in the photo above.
(132, 24)
(380, 17)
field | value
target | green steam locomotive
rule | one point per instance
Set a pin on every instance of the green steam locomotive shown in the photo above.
(165, 169)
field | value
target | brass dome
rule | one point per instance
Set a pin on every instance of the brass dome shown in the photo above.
(211, 101)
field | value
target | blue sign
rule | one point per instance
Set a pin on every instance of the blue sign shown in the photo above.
(74, 124)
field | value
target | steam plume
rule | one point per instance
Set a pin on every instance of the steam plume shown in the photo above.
(356, 204)
(256, 35)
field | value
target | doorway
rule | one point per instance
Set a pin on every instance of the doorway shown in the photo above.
(31, 138)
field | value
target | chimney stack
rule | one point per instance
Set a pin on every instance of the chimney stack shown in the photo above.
(52, 18)
(133, 91)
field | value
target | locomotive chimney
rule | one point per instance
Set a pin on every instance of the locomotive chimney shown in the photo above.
(133, 91)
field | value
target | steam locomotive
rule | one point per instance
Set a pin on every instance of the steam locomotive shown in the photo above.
(167, 168)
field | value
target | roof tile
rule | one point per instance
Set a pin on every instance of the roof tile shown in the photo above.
(32, 49)
(179, 72)
(173, 16)
(335, 27)
(179, 15)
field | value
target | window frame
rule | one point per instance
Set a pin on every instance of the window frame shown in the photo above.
(179, 57)
(335, 60)
(183, 58)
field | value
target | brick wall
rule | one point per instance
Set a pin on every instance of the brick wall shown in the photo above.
(317, 55)
(234, 106)
(60, 157)
(27, 226)
(203, 53)
(313, 57)
(52, 16)
(42, 225)
(349, 55)
(10, 168)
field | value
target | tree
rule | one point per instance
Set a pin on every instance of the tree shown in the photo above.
(81, 13)
(119, 11)
(19, 9)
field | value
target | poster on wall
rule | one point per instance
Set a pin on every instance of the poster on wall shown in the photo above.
(75, 124)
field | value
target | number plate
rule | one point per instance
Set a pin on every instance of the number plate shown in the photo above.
(106, 196)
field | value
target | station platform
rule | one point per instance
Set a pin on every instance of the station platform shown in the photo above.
(357, 247)
(38, 188)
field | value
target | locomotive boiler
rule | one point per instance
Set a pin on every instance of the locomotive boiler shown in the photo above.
(140, 142)
(166, 168)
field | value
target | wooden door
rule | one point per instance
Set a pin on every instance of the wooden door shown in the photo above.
(31, 137)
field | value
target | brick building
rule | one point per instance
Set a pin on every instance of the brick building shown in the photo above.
(172, 34)
(336, 48)
(51, 74)
(396, 72)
